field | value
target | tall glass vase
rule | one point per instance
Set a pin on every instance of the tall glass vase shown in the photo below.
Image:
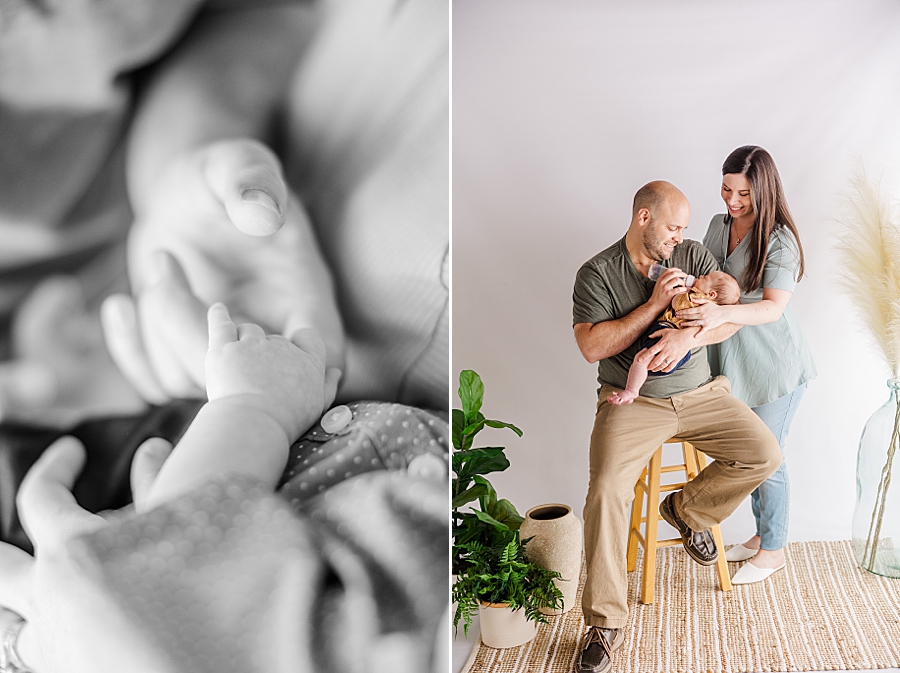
(876, 520)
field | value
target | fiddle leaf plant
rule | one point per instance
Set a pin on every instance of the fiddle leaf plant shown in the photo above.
(496, 520)
(488, 556)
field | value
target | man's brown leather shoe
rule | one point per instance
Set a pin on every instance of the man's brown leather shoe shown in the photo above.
(596, 657)
(700, 545)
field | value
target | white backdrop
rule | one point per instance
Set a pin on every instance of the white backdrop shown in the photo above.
(563, 109)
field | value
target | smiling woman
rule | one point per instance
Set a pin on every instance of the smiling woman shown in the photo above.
(768, 361)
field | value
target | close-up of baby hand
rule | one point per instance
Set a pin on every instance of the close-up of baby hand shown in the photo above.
(286, 378)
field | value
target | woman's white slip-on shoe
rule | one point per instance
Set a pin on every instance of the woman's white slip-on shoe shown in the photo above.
(749, 573)
(739, 553)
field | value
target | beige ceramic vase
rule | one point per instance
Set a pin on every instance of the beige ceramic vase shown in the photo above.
(501, 627)
(557, 545)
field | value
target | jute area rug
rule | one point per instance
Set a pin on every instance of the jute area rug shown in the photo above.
(821, 613)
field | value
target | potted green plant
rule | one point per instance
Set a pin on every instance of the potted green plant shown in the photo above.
(488, 556)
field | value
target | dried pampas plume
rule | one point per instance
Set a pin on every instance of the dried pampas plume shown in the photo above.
(869, 261)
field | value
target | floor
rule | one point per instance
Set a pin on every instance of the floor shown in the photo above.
(462, 647)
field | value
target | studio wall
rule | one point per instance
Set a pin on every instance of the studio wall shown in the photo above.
(563, 109)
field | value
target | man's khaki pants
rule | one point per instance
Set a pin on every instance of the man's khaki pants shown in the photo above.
(745, 453)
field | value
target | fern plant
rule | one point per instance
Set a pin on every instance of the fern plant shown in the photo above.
(502, 574)
(488, 555)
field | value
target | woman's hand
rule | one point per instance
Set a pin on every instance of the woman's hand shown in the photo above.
(707, 316)
(68, 628)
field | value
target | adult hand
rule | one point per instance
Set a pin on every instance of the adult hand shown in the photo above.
(707, 316)
(60, 371)
(669, 284)
(226, 215)
(666, 353)
(68, 628)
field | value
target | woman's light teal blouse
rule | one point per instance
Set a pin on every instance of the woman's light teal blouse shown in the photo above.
(762, 362)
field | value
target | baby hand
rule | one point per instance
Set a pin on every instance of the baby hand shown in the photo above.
(286, 379)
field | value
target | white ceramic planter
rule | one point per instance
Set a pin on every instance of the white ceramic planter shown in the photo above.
(557, 545)
(501, 627)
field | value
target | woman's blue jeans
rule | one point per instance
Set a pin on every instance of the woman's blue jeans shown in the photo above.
(771, 500)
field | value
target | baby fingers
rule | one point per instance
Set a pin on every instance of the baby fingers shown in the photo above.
(222, 329)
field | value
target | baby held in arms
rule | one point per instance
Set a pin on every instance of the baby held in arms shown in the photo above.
(717, 286)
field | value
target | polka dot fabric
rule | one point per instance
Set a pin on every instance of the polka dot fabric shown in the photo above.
(232, 577)
(380, 436)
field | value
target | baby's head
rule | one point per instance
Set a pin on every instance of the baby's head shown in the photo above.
(721, 287)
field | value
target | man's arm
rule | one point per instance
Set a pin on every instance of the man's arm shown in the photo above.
(601, 340)
(674, 344)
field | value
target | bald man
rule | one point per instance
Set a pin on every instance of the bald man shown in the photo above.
(614, 304)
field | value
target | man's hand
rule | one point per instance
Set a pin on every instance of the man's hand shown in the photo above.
(226, 215)
(666, 353)
(669, 284)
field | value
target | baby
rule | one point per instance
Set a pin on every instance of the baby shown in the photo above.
(717, 286)
(266, 391)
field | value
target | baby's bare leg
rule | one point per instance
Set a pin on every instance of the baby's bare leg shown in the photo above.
(637, 375)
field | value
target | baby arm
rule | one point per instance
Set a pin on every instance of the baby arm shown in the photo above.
(264, 392)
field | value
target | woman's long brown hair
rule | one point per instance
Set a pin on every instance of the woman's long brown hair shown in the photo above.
(769, 204)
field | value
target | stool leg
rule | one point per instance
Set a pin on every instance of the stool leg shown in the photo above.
(721, 563)
(637, 507)
(649, 576)
(692, 460)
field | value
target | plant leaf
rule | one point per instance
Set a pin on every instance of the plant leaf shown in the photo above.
(459, 422)
(503, 510)
(501, 424)
(467, 464)
(487, 518)
(470, 494)
(489, 497)
(471, 393)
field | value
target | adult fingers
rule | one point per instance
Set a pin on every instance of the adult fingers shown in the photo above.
(174, 326)
(328, 324)
(145, 466)
(332, 380)
(246, 177)
(45, 502)
(658, 360)
(123, 339)
(15, 579)
(26, 384)
(310, 341)
(249, 330)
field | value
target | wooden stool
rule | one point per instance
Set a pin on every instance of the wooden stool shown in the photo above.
(648, 485)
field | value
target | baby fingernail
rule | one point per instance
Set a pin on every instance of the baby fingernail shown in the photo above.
(260, 198)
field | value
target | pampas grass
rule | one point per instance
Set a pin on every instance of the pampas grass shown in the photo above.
(869, 261)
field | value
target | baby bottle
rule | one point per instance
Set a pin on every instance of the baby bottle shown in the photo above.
(656, 269)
